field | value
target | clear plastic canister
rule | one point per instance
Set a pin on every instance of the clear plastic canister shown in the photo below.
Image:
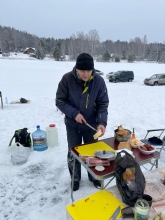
(52, 135)
(141, 209)
(39, 140)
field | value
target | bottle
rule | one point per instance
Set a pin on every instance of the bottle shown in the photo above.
(141, 209)
(52, 135)
(133, 134)
(6, 100)
(39, 139)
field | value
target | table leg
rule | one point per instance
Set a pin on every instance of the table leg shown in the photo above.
(73, 179)
(102, 184)
(108, 182)
(156, 163)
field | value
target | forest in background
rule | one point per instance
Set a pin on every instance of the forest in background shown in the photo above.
(12, 40)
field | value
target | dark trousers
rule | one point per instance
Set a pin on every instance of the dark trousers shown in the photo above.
(74, 138)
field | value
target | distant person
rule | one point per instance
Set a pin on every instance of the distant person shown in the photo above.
(82, 97)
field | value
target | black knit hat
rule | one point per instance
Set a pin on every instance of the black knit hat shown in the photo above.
(84, 62)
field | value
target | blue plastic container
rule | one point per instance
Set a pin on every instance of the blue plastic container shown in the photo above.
(6, 100)
(39, 140)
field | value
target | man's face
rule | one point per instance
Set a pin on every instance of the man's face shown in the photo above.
(84, 74)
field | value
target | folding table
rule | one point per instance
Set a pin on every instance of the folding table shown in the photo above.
(111, 144)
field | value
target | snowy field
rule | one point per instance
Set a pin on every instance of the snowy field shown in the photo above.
(40, 188)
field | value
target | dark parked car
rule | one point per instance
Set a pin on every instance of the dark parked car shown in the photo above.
(155, 80)
(122, 76)
(99, 72)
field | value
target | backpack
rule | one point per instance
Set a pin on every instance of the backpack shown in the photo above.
(121, 165)
(22, 136)
(22, 100)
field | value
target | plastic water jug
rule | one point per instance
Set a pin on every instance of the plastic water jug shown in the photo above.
(39, 139)
(52, 135)
(6, 100)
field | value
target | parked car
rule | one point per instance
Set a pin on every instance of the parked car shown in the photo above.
(155, 80)
(99, 72)
(109, 74)
(122, 76)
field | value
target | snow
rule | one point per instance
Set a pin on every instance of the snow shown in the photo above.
(40, 188)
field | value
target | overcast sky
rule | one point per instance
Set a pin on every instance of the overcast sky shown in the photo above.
(113, 19)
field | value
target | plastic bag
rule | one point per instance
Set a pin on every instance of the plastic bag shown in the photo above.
(155, 188)
(19, 153)
(129, 190)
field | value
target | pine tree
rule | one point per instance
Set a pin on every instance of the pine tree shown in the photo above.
(106, 56)
(131, 58)
(123, 54)
(57, 51)
(117, 59)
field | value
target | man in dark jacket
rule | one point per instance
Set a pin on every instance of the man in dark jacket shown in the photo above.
(82, 97)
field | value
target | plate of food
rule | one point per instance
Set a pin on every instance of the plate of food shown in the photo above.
(135, 143)
(105, 154)
(147, 149)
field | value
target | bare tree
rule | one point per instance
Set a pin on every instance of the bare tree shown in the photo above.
(144, 44)
(94, 40)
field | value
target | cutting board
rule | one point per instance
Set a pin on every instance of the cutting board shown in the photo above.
(100, 205)
(89, 149)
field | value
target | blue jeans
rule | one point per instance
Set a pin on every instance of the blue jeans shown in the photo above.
(74, 138)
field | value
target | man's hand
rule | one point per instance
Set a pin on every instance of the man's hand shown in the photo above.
(80, 119)
(102, 128)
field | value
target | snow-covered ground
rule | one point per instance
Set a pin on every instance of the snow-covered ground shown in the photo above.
(40, 188)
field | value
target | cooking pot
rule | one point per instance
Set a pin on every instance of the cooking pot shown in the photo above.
(122, 137)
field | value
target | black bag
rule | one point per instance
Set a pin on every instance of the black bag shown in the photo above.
(155, 140)
(23, 137)
(129, 196)
(22, 100)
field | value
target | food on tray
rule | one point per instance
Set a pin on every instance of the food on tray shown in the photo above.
(155, 190)
(124, 145)
(122, 131)
(135, 142)
(93, 161)
(97, 135)
(146, 147)
(83, 158)
(120, 128)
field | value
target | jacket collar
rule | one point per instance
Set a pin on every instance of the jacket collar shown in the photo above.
(79, 80)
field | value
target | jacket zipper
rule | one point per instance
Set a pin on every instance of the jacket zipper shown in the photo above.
(87, 101)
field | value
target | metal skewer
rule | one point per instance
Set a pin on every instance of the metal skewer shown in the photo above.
(90, 126)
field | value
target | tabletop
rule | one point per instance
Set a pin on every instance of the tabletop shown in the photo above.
(109, 170)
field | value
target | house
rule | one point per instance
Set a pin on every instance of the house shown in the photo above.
(29, 50)
(32, 55)
(5, 54)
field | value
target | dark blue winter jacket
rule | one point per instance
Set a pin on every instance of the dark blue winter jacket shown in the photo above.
(90, 98)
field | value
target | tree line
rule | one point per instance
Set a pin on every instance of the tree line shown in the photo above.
(12, 40)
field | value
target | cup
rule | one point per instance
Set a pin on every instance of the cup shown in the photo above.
(148, 198)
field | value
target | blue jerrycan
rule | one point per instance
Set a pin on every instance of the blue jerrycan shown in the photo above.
(39, 139)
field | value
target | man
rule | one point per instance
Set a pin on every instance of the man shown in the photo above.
(82, 97)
